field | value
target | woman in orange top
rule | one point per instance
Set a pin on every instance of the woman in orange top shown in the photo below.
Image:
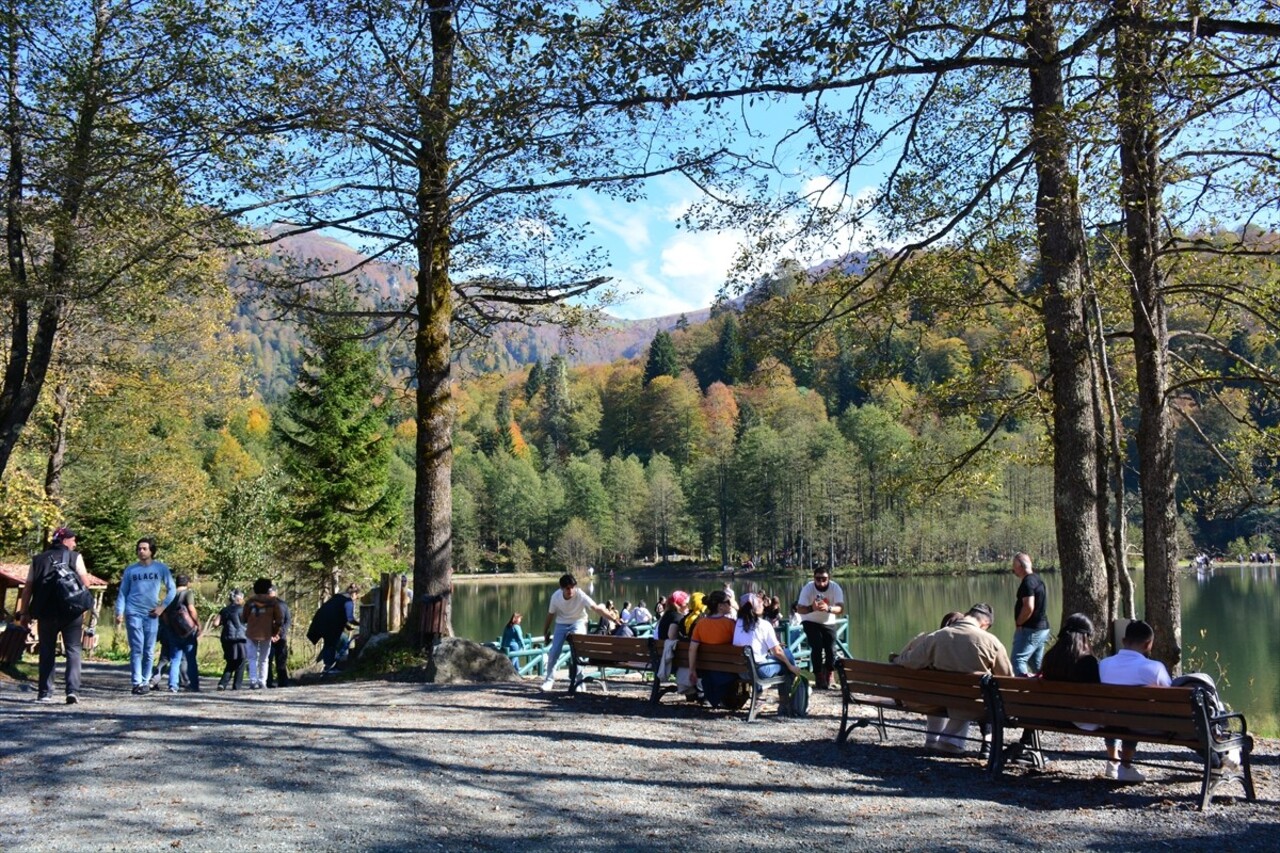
(714, 629)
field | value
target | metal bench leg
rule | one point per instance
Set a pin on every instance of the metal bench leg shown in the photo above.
(755, 702)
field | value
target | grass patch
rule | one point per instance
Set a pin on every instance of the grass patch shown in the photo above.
(390, 657)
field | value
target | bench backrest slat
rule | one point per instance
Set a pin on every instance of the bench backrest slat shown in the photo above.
(1166, 710)
(713, 658)
(607, 648)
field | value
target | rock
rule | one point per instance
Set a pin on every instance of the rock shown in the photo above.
(376, 640)
(457, 660)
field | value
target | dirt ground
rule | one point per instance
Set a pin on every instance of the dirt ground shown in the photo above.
(393, 766)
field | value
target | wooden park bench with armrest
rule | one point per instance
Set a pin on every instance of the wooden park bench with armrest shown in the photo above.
(610, 654)
(735, 660)
(922, 691)
(1178, 716)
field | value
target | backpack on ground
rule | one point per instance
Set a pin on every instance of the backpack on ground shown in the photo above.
(177, 617)
(63, 596)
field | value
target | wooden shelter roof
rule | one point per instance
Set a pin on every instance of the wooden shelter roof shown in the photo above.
(14, 576)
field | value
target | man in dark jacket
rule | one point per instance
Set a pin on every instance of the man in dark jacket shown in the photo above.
(330, 624)
(62, 554)
(278, 663)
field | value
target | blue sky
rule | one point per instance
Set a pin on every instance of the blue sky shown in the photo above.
(658, 268)
(661, 269)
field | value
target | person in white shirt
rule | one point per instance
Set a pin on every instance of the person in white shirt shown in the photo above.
(640, 615)
(751, 630)
(821, 603)
(1133, 667)
(568, 613)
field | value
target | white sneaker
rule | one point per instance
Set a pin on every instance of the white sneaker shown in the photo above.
(548, 685)
(1111, 770)
(1130, 774)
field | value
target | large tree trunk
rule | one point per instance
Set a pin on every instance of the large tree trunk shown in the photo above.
(1140, 189)
(1061, 246)
(433, 490)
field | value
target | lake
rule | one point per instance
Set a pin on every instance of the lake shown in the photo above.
(1230, 617)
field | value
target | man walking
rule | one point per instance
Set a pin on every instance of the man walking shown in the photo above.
(146, 588)
(567, 611)
(966, 645)
(821, 603)
(1031, 631)
(278, 663)
(61, 555)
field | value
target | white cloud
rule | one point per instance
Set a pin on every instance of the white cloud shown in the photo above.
(628, 222)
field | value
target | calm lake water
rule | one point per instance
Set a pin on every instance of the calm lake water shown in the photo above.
(1230, 618)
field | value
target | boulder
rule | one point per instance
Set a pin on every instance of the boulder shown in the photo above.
(457, 661)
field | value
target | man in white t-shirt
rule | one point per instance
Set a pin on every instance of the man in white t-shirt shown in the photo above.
(820, 604)
(1131, 666)
(568, 613)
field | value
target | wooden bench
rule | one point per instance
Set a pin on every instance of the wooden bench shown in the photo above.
(1178, 716)
(735, 660)
(923, 691)
(609, 653)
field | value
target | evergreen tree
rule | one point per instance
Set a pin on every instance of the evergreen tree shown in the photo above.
(662, 358)
(534, 383)
(336, 451)
(733, 355)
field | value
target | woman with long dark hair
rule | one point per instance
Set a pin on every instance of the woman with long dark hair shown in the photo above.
(754, 631)
(1072, 658)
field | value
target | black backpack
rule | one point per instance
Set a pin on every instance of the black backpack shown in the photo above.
(177, 618)
(62, 595)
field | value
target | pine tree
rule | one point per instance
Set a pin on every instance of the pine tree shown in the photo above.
(534, 383)
(662, 358)
(337, 447)
(733, 356)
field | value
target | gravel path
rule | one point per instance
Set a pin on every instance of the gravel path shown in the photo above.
(392, 766)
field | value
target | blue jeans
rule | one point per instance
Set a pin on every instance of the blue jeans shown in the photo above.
(563, 629)
(180, 650)
(141, 630)
(770, 667)
(333, 648)
(1028, 650)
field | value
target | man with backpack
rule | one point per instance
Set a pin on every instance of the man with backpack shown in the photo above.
(183, 627)
(146, 589)
(56, 593)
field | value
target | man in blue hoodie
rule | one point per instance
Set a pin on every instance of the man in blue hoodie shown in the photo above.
(146, 588)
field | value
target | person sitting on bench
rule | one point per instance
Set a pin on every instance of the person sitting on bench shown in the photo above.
(964, 646)
(1131, 666)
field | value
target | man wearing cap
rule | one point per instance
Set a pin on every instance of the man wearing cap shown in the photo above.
(966, 645)
(61, 553)
(146, 588)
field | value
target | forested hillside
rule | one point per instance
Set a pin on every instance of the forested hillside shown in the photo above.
(272, 342)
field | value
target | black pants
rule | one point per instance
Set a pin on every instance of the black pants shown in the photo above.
(236, 662)
(822, 646)
(278, 664)
(72, 633)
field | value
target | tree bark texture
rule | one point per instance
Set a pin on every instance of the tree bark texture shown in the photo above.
(433, 490)
(1060, 239)
(1140, 188)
